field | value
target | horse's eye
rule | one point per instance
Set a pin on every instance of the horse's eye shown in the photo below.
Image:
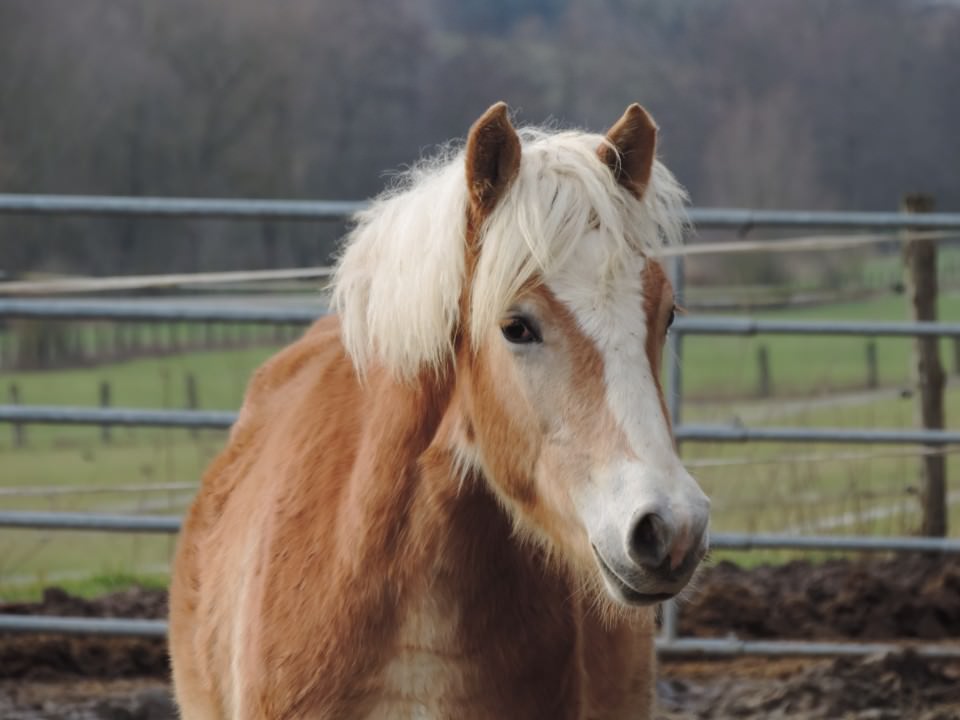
(519, 331)
(673, 315)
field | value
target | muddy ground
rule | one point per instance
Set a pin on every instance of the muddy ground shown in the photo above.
(906, 600)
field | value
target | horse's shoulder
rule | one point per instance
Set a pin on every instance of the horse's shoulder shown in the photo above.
(320, 346)
(294, 402)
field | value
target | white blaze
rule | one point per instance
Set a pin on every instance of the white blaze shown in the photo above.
(606, 297)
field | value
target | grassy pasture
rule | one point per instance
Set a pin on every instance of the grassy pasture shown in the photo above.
(856, 272)
(882, 270)
(815, 488)
(761, 487)
(58, 456)
(726, 366)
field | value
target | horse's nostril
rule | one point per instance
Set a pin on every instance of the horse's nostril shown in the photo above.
(649, 541)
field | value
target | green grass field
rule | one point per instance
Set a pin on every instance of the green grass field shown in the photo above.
(883, 270)
(862, 271)
(815, 488)
(59, 457)
(756, 487)
(718, 366)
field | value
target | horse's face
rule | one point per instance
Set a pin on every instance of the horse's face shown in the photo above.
(570, 424)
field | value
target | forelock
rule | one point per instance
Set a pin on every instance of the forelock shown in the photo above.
(401, 276)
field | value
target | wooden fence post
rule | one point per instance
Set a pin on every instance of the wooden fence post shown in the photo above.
(920, 264)
(105, 403)
(763, 371)
(19, 434)
(192, 399)
(872, 374)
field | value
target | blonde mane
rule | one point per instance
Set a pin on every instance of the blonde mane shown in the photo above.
(400, 278)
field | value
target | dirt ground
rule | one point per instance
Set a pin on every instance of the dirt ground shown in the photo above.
(906, 599)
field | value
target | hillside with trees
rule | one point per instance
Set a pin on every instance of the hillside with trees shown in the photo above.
(762, 103)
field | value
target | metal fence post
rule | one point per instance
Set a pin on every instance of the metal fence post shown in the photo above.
(675, 349)
(674, 403)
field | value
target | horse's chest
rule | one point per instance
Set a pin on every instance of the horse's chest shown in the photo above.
(443, 665)
(428, 673)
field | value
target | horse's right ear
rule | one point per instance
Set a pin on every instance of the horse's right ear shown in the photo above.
(493, 158)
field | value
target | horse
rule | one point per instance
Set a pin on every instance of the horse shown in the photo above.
(458, 494)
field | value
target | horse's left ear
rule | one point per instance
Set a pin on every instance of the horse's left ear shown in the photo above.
(635, 138)
(493, 158)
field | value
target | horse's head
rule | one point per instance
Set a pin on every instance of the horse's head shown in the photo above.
(545, 303)
(565, 401)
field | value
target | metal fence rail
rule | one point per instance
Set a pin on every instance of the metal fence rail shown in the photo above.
(168, 207)
(849, 543)
(170, 524)
(732, 647)
(686, 647)
(325, 210)
(753, 326)
(170, 312)
(60, 415)
(738, 433)
(99, 522)
(223, 419)
(149, 311)
(123, 627)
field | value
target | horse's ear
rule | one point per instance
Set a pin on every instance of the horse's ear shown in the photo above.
(635, 138)
(493, 158)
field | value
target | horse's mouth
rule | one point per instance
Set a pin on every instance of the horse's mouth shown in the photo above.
(625, 592)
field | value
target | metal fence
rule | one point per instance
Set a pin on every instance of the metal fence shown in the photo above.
(736, 219)
(327, 210)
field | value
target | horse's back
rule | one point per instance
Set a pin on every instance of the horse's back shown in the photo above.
(298, 412)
